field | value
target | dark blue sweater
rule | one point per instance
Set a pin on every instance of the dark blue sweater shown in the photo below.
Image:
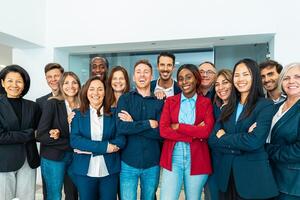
(142, 148)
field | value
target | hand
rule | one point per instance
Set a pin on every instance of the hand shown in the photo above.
(153, 123)
(125, 116)
(81, 152)
(54, 133)
(252, 127)
(70, 117)
(111, 148)
(160, 94)
(201, 124)
(220, 133)
(175, 126)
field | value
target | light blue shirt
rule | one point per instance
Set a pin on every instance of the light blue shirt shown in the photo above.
(239, 111)
(187, 112)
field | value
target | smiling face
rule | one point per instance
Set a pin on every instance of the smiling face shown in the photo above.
(98, 68)
(52, 77)
(70, 86)
(13, 84)
(223, 88)
(165, 67)
(118, 82)
(187, 83)
(270, 77)
(291, 82)
(142, 76)
(208, 75)
(242, 79)
(95, 93)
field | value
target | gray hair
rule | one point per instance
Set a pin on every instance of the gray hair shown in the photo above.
(284, 72)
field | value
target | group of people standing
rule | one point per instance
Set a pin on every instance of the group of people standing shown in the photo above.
(209, 129)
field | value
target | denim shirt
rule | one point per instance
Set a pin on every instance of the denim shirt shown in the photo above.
(142, 148)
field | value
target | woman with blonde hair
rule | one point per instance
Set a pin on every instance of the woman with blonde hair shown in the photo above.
(54, 134)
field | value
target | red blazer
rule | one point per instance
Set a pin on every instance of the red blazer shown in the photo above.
(193, 134)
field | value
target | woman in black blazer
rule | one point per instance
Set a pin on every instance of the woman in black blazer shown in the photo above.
(239, 137)
(284, 146)
(54, 134)
(18, 121)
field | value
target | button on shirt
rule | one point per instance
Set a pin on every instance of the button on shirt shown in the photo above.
(143, 142)
(97, 166)
(187, 112)
(168, 91)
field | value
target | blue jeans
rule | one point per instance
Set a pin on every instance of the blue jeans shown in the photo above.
(53, 173)
(129, 178)
(171, 181)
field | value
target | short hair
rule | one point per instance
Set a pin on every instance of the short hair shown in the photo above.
(192, 68)
(166, 54)
(143, 61)
(21, 71)
(207, 62)
(100, 58)
(283, 73)
(270, 63)
(51, 66)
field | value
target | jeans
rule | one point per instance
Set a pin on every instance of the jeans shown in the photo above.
(53, 173)
(94, 188)
(171, 181)
(129, 178)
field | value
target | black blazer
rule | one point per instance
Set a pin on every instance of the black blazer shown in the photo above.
(42, 100)
(284, 151)
(54, 116)
(17, 141)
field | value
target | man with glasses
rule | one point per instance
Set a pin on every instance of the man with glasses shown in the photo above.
(208, 74)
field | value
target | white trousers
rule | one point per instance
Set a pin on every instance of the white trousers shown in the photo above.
(18, 184)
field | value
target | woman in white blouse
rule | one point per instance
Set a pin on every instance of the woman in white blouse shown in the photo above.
(96, 162)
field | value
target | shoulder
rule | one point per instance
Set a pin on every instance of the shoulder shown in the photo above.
(203, 100)
(43, 98)
(263, 102)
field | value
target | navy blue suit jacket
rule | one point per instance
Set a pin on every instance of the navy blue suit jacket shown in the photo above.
(284, 151)
(243, 153)
(81, 139)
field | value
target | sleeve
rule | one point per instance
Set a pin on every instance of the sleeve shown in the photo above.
(165, 126)
(286, 153)
(201, 132)
(78, 141)
(129, 128)
(46, 124)
(15, 137)
(256, 139)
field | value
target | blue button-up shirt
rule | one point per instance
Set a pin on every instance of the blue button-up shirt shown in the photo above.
(187, 112)
(142, 148)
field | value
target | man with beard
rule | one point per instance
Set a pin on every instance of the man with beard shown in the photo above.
(165, 83)
(270, 71)
(208, 74)
(99, 67)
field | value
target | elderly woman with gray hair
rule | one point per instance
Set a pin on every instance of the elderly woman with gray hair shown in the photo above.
(284, 144)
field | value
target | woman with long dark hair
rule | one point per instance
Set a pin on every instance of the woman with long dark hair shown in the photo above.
(18, 121)
(96, 164)
(185, 124)
(239, 136)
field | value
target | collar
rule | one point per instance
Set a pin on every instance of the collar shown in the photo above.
(135, 92)
(93, 110)
(166, 89)
(184, 98)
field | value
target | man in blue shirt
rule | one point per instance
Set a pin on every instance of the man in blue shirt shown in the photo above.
(138, 116)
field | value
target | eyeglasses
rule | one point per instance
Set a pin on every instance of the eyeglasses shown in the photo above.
(208, 72)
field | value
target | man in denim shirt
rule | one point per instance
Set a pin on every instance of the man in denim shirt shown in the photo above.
(138, 116)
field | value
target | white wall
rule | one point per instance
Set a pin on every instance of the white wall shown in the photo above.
(24, 19)
(5, 55)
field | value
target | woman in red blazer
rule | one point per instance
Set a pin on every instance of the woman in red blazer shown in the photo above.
(185, 124)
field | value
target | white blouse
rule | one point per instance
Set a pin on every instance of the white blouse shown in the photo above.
(97, 166)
